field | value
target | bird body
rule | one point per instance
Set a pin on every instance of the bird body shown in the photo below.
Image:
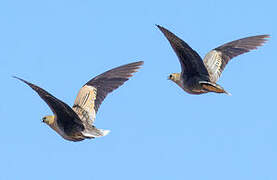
(51, 121)
(200, 76)
(76, 123)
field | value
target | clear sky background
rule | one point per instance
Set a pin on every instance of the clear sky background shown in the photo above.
(157, 130)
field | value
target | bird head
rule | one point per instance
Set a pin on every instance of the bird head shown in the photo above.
(48, 119)
(174, 77)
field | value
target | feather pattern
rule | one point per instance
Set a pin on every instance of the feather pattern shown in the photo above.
(94, 91)
(84, 104)
(216, 60)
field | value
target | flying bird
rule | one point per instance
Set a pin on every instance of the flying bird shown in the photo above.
(200, 76)
(76, 123)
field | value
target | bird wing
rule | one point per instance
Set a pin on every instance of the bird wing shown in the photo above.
(190, 60)
(94, 91)
(67, 119)
(216, 60)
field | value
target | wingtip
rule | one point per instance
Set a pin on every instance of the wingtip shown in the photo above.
(18, 78)
(140, 62)
(28, 83)
(264, 38)
(137, 64)
(163, 29)
(267, 37)
(160, 27)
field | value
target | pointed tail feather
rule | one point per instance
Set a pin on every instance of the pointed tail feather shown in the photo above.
(104, 132)
(96, 133)
(213, 87)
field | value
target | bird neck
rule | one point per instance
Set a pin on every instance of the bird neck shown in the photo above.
(176, 78)
(51, 119)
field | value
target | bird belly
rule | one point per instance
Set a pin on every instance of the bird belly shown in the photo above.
(195, 91)
(75, 137)
(192, 87)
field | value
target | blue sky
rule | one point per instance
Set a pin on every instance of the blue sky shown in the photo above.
(157, 130)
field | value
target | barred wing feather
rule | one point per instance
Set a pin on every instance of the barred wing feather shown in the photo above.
(94, 91)
(216, 60)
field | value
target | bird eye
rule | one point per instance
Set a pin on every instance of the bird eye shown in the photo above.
(170, 76)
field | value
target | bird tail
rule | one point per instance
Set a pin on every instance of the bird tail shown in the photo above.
(94, 133)
(213, 87)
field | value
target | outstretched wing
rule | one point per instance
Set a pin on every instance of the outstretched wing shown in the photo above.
(216, 60)
(67, 119)
(94, 92)
(190, 60)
